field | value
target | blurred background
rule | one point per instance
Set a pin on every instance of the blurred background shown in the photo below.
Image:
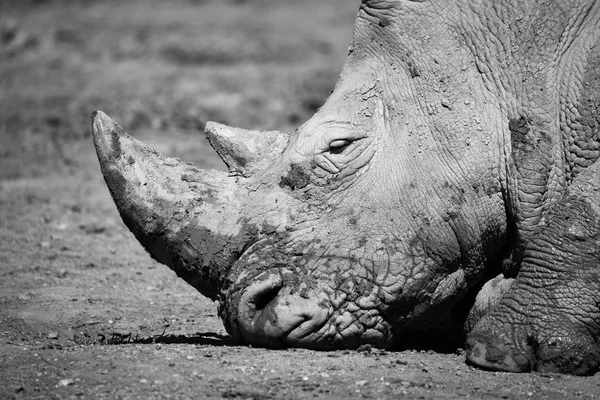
(71, 274)
(161, 69)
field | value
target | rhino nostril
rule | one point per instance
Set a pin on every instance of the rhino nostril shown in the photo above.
(262, 300)
(257, 296)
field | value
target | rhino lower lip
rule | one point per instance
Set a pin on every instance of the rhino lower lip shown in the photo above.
(304, 330)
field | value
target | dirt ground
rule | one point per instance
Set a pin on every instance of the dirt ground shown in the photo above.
(84, 311)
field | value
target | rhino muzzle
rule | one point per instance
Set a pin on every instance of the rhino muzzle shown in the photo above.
(273, 312)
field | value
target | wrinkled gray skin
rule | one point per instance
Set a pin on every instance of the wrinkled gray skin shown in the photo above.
(458, 146)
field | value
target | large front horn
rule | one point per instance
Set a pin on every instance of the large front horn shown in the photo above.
(244, 151)
(185, 218)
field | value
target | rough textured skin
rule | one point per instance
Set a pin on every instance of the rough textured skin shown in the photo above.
(487, 298)
(550, 320)
(459, 143)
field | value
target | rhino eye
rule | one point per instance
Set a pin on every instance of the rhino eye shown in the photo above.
(337, 146)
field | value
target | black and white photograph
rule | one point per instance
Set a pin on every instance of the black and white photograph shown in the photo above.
(299, 199)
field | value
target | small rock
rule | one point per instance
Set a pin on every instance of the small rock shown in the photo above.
(66, 382)
(361, 383)
(143, 381)
(92, 228)
(52, 335)
(365, 348)
(23, 297)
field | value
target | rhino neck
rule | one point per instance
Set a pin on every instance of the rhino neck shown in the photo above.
(544, 77)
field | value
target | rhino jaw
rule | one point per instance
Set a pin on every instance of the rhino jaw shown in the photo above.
(186, 218)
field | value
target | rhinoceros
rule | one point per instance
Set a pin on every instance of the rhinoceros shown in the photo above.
(446, 193)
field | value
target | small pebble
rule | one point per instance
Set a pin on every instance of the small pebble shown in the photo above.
(66, 382)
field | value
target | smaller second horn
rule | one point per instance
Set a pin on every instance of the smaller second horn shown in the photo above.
(245, 151)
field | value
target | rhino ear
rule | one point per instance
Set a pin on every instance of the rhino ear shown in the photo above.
(245, 151)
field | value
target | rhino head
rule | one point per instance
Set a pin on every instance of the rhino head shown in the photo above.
(376, 220)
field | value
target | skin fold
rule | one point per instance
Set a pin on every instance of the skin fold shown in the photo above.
(446, 187)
